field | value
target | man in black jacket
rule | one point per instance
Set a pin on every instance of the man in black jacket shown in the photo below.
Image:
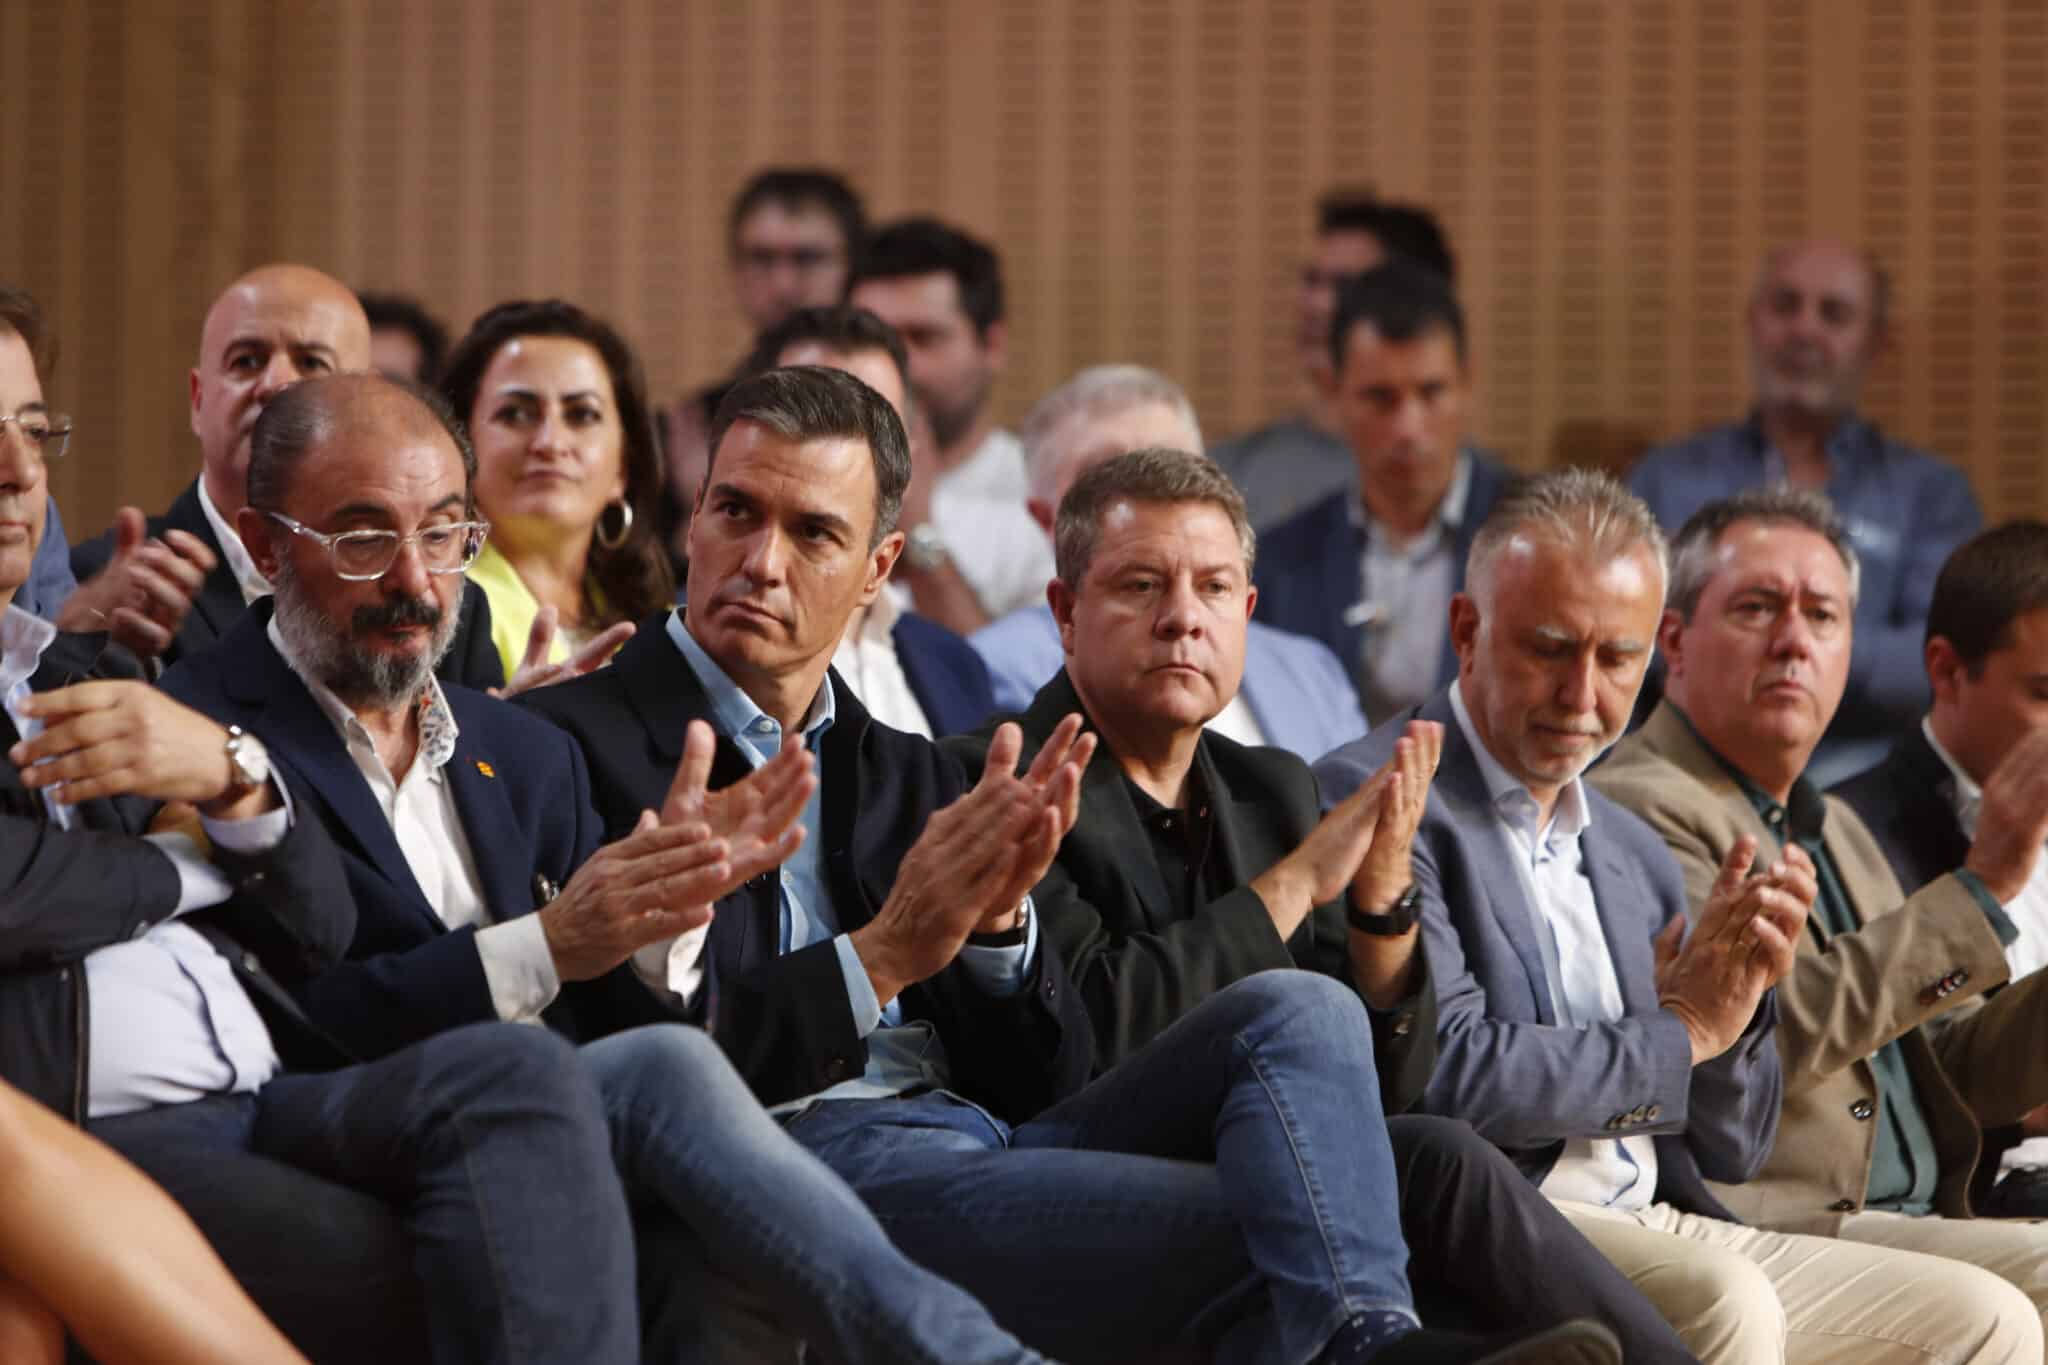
(439, 1198)
(892, 993)
(170, 585)
(1975, 771)
(1197, 861)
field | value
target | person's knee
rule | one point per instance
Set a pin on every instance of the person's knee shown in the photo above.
(1298, 1001)
(1445, 1156)
(1721, 1304)
(1982, 1316)
(519, 1063)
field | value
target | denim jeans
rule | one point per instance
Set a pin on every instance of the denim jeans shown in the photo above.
(487, 1141)
(769, 1219)
(1234, 1174)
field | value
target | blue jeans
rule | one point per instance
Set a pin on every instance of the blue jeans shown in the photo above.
(487, 1141)
(1242, 1150)
(689, 1136)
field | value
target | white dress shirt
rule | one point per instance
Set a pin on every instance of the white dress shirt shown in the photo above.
(2028, 911)
(867, 660)
(1405, 589)
(166, 1021)
(252, 583)
(1584, 990)
(518, 968)
(978, 508)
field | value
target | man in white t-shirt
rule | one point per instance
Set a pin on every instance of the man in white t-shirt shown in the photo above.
(972, 552)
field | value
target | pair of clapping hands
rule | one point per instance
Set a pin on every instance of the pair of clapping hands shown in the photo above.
(1742, 944)
(968, 871)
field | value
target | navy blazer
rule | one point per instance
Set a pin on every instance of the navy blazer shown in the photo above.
(1308, 566)
(784, 1018)
(947, 677)
(521, 791)
(1502, 1063)
(472, 659)
(1905, 802)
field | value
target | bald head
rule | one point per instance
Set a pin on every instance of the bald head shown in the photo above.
(337, 416)
(1816, 321)
(271, 328)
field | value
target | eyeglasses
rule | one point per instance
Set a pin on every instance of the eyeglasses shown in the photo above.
(48, 432)
(362, 556)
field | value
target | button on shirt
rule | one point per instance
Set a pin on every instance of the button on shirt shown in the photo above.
(167, 1021)
(901, 1055)
(1405, 599)
(2028, 912)
(1584, 990)
(518, 968)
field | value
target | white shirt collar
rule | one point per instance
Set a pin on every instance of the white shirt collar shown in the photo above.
(1450, 511)
(247, 577)
(438, 731)
(1568, 818)
(1964, 795)
(23, 638)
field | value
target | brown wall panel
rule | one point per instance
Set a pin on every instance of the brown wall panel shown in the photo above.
(1611, 171)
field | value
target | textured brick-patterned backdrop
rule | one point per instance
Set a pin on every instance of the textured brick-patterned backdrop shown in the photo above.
(1611, 170)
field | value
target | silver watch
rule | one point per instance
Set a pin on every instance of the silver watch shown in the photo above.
(248, 761)
(924, 549)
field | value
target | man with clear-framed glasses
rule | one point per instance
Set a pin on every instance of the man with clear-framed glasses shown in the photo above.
(171, 585)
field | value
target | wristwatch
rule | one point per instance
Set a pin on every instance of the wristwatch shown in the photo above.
(924, 549)
(1016, 936)
(248, 763)
(1398, 919)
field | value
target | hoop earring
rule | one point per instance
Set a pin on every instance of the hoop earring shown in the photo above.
(613, 540)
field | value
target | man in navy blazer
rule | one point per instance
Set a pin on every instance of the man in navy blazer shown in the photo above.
(1098, 1219)
(469, 842)
(1622, 1058)
(1295, 694)
(1372, 576)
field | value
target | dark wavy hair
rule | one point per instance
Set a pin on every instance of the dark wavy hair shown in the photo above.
(634, 579)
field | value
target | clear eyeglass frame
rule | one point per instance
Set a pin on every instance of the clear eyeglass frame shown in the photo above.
(354, 553)
(48, 432)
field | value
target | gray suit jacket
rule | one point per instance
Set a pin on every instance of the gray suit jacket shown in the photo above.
(1503, 1064)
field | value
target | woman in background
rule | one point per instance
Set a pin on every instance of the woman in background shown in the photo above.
(569, 476)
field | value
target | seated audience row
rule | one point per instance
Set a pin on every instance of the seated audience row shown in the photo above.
(1100, 1032)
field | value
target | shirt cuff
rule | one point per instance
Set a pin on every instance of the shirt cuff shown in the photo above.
(860, 991)
(518, 968)
(674, 966)
(201, 885)
(1002, 972)
(258, 833)
(2001, 923)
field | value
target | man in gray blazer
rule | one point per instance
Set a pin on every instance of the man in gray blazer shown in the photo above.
(1295, 694)
(1621, 1058)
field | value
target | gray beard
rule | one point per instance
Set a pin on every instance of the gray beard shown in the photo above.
(330, 656)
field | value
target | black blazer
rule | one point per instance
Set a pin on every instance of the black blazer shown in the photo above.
(785, 1019)
(1905, 802)
(64, 893)
(1139, 968)
(472, 660)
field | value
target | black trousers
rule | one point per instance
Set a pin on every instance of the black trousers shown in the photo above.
(1487, 1252)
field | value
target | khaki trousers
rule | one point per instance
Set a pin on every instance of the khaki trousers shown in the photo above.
(1744, 1296)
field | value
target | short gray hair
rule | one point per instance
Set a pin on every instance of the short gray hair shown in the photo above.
(1156, 475)
(1099, 391)
(1692, 552)
(1581, 508)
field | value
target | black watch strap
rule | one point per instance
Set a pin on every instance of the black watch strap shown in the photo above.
(1398, 919)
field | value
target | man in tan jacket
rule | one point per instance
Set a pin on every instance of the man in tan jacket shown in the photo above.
(1892, 1057)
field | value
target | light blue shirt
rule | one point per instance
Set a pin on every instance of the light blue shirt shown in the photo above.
(167, 1021)
(901, 1056)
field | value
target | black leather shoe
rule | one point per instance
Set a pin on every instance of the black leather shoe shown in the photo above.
(1582, 1341)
